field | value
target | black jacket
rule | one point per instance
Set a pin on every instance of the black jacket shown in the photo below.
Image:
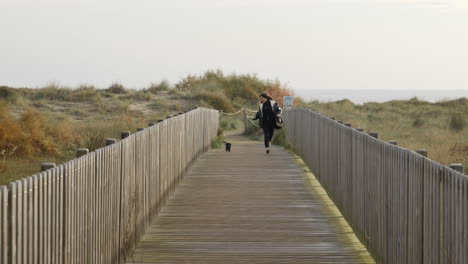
(259, 115)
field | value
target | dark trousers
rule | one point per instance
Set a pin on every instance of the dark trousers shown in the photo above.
(268, 131)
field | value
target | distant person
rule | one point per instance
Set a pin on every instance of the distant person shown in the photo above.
(267, 113)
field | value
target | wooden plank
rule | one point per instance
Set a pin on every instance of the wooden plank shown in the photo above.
(78, 223)
(53, 213)
(263, 215)
(415, 208)
(66, 217)
(117, 163)
(13, 221)
(60, 214)
(24, 223)
(464, 218)
(107, 214)
(30, 220)
(19, 221)
(107, 208)
(4, 225)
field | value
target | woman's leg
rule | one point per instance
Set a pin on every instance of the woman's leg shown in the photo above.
(271, 133)
(266, 132)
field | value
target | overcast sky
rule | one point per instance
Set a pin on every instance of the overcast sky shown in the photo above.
(314, 44)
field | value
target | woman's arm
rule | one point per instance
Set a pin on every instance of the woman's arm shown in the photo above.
(257, 116)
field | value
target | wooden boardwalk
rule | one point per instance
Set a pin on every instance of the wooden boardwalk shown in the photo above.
(247, 207)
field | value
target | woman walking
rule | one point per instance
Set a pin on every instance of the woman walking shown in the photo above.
(267, 113)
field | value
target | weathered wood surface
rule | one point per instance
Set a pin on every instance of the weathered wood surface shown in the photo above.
(245, 207)
(94, 208)
(404, 207)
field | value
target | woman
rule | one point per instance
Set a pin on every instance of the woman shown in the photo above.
(267, 113)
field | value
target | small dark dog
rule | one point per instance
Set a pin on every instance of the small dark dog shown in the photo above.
(228, 146)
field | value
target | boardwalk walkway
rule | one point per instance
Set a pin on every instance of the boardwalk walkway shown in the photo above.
(247, 207)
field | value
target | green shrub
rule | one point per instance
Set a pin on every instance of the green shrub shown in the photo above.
(52, 92)
(243, 87)
(219, 140)
(137, 96)
(231, 124)
(217, 100)
(85, 93)
(251, 130)
(117, 88)
(158, 87)
(9, 94)
(457, 122)
(178, 107)
(176, 94)
(160, 104)
(418, 121)
(279, 138)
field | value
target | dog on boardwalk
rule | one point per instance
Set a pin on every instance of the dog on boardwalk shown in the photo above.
(228, 146)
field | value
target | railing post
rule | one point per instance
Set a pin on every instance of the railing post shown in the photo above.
(245, 119)
(422, 152)
(458, 167)
(110, 141)
(124, 134)
(81, 152)
(47, 165)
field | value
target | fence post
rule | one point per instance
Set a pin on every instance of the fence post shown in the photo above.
(81, 152)
(360, 129)
(422, 152)
(150, 124)
(458, 167)
(4, 224)
(374, 134)
(245, 119)
(110, 141)
(47, 165)
(124, 134)
(393, 142)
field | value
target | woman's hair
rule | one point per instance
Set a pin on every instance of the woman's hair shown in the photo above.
(266, 96)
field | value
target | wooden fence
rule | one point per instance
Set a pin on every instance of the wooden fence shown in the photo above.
(404, 207)
(95, 208)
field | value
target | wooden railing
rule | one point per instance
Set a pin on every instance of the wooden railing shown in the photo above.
(404, 207)
(95, 208)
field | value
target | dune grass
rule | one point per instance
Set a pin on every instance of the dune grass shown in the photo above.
(441, 128)
(50, 123)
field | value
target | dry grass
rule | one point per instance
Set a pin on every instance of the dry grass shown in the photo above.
(21, 167)
(438, 127)
(51, 123)
(54, 121)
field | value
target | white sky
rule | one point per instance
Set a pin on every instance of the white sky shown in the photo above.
(314, 44)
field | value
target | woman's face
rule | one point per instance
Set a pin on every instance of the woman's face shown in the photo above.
(263, 99)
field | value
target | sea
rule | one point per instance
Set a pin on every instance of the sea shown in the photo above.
(363, 96)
